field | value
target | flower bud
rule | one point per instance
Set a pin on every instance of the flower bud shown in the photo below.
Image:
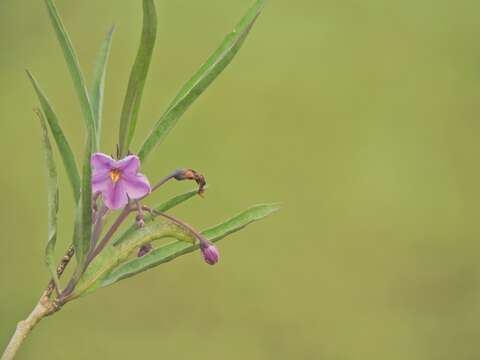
(210, 254)
(144, 250)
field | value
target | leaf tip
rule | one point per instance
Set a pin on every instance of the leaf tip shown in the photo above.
(111, 30)
(271, 207)
(29, 74)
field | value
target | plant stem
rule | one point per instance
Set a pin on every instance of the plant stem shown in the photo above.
(198, 235)
(120, 219)
(166, 178)
(98, 227)
(43, 308)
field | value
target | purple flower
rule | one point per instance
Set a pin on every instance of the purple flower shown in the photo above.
(210, 253)
(118, 181)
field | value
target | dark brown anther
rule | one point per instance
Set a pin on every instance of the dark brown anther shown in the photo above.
(118, 152)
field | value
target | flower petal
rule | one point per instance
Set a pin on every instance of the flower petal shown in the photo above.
(115, 197)
(129, 164)
(135, 185)
(102, 163)
(101, 182)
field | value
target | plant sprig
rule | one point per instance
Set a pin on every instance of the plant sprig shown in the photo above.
(104, 254)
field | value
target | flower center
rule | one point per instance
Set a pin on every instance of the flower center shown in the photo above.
(115, 175)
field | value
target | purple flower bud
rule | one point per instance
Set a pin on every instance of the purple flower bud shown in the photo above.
(210, 254)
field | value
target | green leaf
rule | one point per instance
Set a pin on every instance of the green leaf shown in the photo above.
(73, 66)
(111, 256)
(98, 85)
(238, 222)
(83, 223)
(201, 80)
(165, 206)
(52, 184)
(176, 200)
(138, 76)
(177, 248)
(66, 152)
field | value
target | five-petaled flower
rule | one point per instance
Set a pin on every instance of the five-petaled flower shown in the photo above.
(118, 180)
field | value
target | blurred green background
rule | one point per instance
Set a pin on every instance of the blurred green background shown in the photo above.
(361, 117)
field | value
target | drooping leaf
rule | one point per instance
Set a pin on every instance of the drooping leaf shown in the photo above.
(73, 67)
(83, 222)
(165, 206)
(111, 256)
(98, 85)
(52, 185)
(201, 80)
(138, 75)
(177, 248)
(64, 148)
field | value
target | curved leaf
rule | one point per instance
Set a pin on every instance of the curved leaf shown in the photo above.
(201, 80)
(177, 248)
(73, 66)
(111, 256)
(138, 76)
(98, 85)
(66, 152)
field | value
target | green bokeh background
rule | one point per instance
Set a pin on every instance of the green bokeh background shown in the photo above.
(361, 117)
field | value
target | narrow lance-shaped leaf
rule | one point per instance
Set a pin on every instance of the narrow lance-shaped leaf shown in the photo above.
(111, 256)
(83, 223)
(73, 66)
(52, 185)
(165, 206)
(138, 76)
(64, 148)
(98, 85)
(177, 248)
(201, 80)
